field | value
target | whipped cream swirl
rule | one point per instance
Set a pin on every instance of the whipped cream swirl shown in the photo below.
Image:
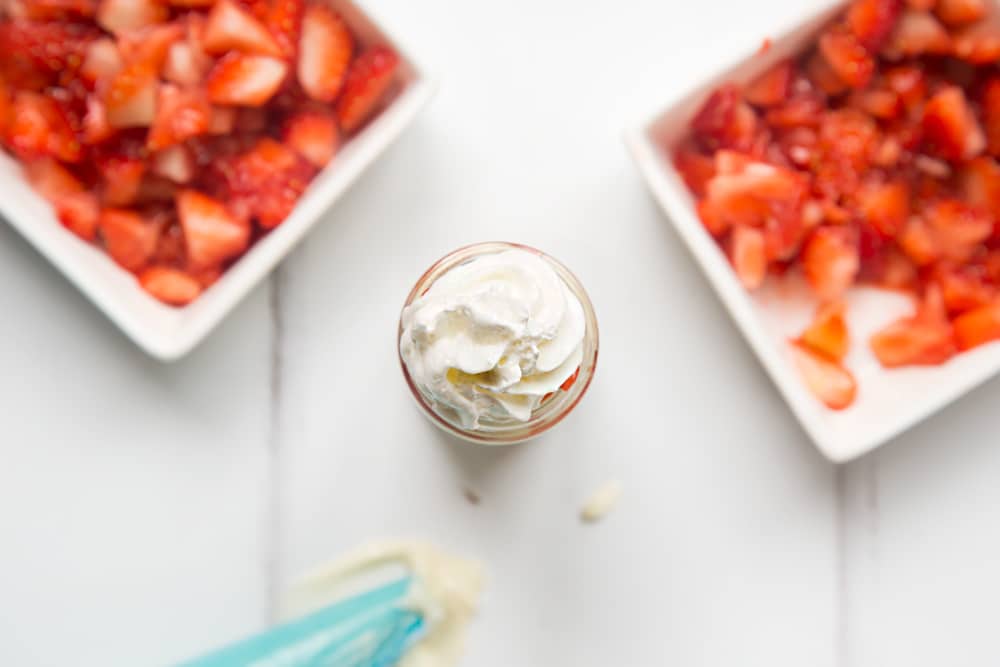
(492, 337)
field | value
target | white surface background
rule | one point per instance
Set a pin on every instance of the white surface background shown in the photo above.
(149, 512)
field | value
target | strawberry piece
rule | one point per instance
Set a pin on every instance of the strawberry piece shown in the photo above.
(211, 233)
(34, 54)
(155, 190)
(922, 5)
(52, 10)
(847, 57)
(990, 104)
(822, 76)
(101, 63)
(745, 192)
(171, 286)
(695, 167)
(122, 177)
(245, 80)
(827, 334)
(771, 87)
(222, 120)
(951, 127)
(180, 115)
(313, 134)
(38, 127)
(977, 327)
(175, 164)
(251, 120)
(129, 238)
(746, 253)
(909, 84)
(149, 46)
(51, 180)
(231, 28)
(957, 228)
(871, 21)
(978, 44)
(881, 103)
(963, 287)
(95, 127)
(828, 381)
(725, 121)
(325, 50)
(918, 241)
(979, 183)
(368, 81)
(830, 261)
(886, 206)
(800, 111)
(960, 12)
(264, 182)
(848, 141)
(131, 99)
(191, 4)
(79, 212)
(917, 33)
(119, 16)
(925, 339)
(284, 18)
(186, 65)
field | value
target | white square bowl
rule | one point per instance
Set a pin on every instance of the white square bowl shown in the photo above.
(888, 401)
(168, 333)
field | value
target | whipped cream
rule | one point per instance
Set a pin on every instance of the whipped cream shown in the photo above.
(492, 337)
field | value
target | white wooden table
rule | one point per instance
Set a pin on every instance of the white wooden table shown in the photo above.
(149, 512)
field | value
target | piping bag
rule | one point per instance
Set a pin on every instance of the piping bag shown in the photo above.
(385, 604)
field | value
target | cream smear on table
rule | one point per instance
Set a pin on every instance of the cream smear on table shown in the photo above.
(492, 337)
(446, 591)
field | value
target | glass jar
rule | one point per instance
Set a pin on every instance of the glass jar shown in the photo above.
(553, 407)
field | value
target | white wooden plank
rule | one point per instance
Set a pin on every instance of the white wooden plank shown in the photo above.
(923, 542)
(723, 549)
(130, 491)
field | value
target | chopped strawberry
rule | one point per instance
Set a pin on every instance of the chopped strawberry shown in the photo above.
(951, 127)
(325, 50)
(211, 233)
(122, 177)
(822, 75)
(964, 287)
(131, 98)
(827, 333)
(284, 18)
(368, 81)
(978, 44)
(95, 127)
(175, 164)
(150, 45)
(958, 229)
(800, 111)
(264, 182)
(101, 62)
(922, 5)
(695, 167)
(917, 33)
(830, 261)
(886, 206)
(180, 115)
(745, 192)
(185, 64)
(52, 10)
(977, 327)
(771, 87)
(979, 183)
(36, 53)
(960, 12)
(924, 339)
(725, 121)
(79, 213)
(847, 57)
(222, 120)
(746, 252)
(118, 16)
(171, 286)
(827, 380)
(155, 190)
(871, 21)
(245, 80)
(38, 127)
(880, 103)
(231, 28)
(314, 135)
(51, 180)
(909, 83)
(129, 238)
(990, 104)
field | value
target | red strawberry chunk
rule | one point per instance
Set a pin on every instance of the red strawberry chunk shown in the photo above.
(747, 254)
(885, 206)
(990, 103)
(847, 57)
(101, 62)
(38, 53)
(52, 10)
(924, 339)
(871, 21)
(959, 12)
(38, 127)
(978, 44)
(771, 87)
(828, 381)
(180, 115)
(122, 177)
(129, 238)
(222, 120)
(964, 287)
(325, 50)
(245, 80)
(51, 180)
(175, 164)
(695, 167)
(231, 28)
(171, 286)
(211, 233)
(131, 99)
(830, 261)
(746, 192)
(917, 33)
(314, 135)
(725, 121)
(827, 334)
(822, 76)
(958, 229)
(368, 82)
(979, 183)
(79, 213)
(186, 64)
(909, 83)
(951, 127)
(119, 16)
(978, 327)
(284, 18)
